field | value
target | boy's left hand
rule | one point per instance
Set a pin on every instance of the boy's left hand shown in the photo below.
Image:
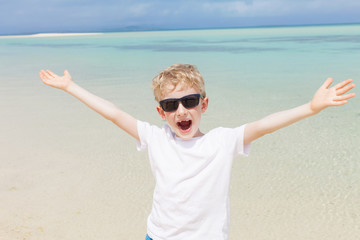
(334, 96)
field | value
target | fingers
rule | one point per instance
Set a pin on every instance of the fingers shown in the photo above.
(44, 75)
(45, 79)
(345, 89)
(51, 73)
(343, 83)
(48, 77)
(344, 97)
(41, 74)
(342, 100)
(48, 74)
(340, 103)
(327, 83)
(67, 74)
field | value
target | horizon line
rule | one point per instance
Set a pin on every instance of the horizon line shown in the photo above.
(154, 29)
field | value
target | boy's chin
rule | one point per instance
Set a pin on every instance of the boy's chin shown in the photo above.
(184, 136)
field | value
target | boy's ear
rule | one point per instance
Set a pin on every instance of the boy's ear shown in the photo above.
(161, 112)
(204, 104)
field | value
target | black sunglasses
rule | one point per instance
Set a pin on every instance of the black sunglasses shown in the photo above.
(188, 101)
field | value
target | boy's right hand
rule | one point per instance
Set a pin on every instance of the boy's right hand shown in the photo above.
(53, 80)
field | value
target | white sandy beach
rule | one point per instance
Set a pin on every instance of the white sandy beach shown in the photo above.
(40, 35)
(68, 174)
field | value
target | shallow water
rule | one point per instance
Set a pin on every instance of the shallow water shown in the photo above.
(68, 174)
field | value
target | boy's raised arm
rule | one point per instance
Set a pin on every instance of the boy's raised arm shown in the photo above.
(323, 98)
(105, 108)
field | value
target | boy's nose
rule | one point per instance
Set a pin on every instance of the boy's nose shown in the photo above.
(181, 111)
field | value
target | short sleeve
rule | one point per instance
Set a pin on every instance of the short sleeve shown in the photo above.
(144, 131)
(240, 147)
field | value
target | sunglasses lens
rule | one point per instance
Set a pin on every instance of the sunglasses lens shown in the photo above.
(190, 101)
(169, 105)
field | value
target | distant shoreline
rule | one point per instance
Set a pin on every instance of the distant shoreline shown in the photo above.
(154, 29)
(40, 35)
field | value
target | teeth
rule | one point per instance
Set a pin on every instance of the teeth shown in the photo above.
(184, 122)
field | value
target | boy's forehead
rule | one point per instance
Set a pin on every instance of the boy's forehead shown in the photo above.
(178, 91)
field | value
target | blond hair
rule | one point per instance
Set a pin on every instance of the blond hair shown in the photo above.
(186, 75)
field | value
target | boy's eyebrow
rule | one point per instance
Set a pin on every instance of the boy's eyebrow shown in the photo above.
(201, 96)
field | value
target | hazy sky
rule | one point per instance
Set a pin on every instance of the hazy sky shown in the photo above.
(34, 16)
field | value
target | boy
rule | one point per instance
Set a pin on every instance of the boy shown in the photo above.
(192, 169)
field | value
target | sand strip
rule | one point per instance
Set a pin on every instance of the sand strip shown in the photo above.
(49, 35)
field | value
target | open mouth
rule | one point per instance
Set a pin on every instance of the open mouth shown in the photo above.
(184, 125)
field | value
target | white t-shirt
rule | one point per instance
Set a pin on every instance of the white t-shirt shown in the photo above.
(191, 196)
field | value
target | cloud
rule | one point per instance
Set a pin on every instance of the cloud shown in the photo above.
(263, 8)
(97, 15)
(140, 9)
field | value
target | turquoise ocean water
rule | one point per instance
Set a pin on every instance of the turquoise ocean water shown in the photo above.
(299, 183)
